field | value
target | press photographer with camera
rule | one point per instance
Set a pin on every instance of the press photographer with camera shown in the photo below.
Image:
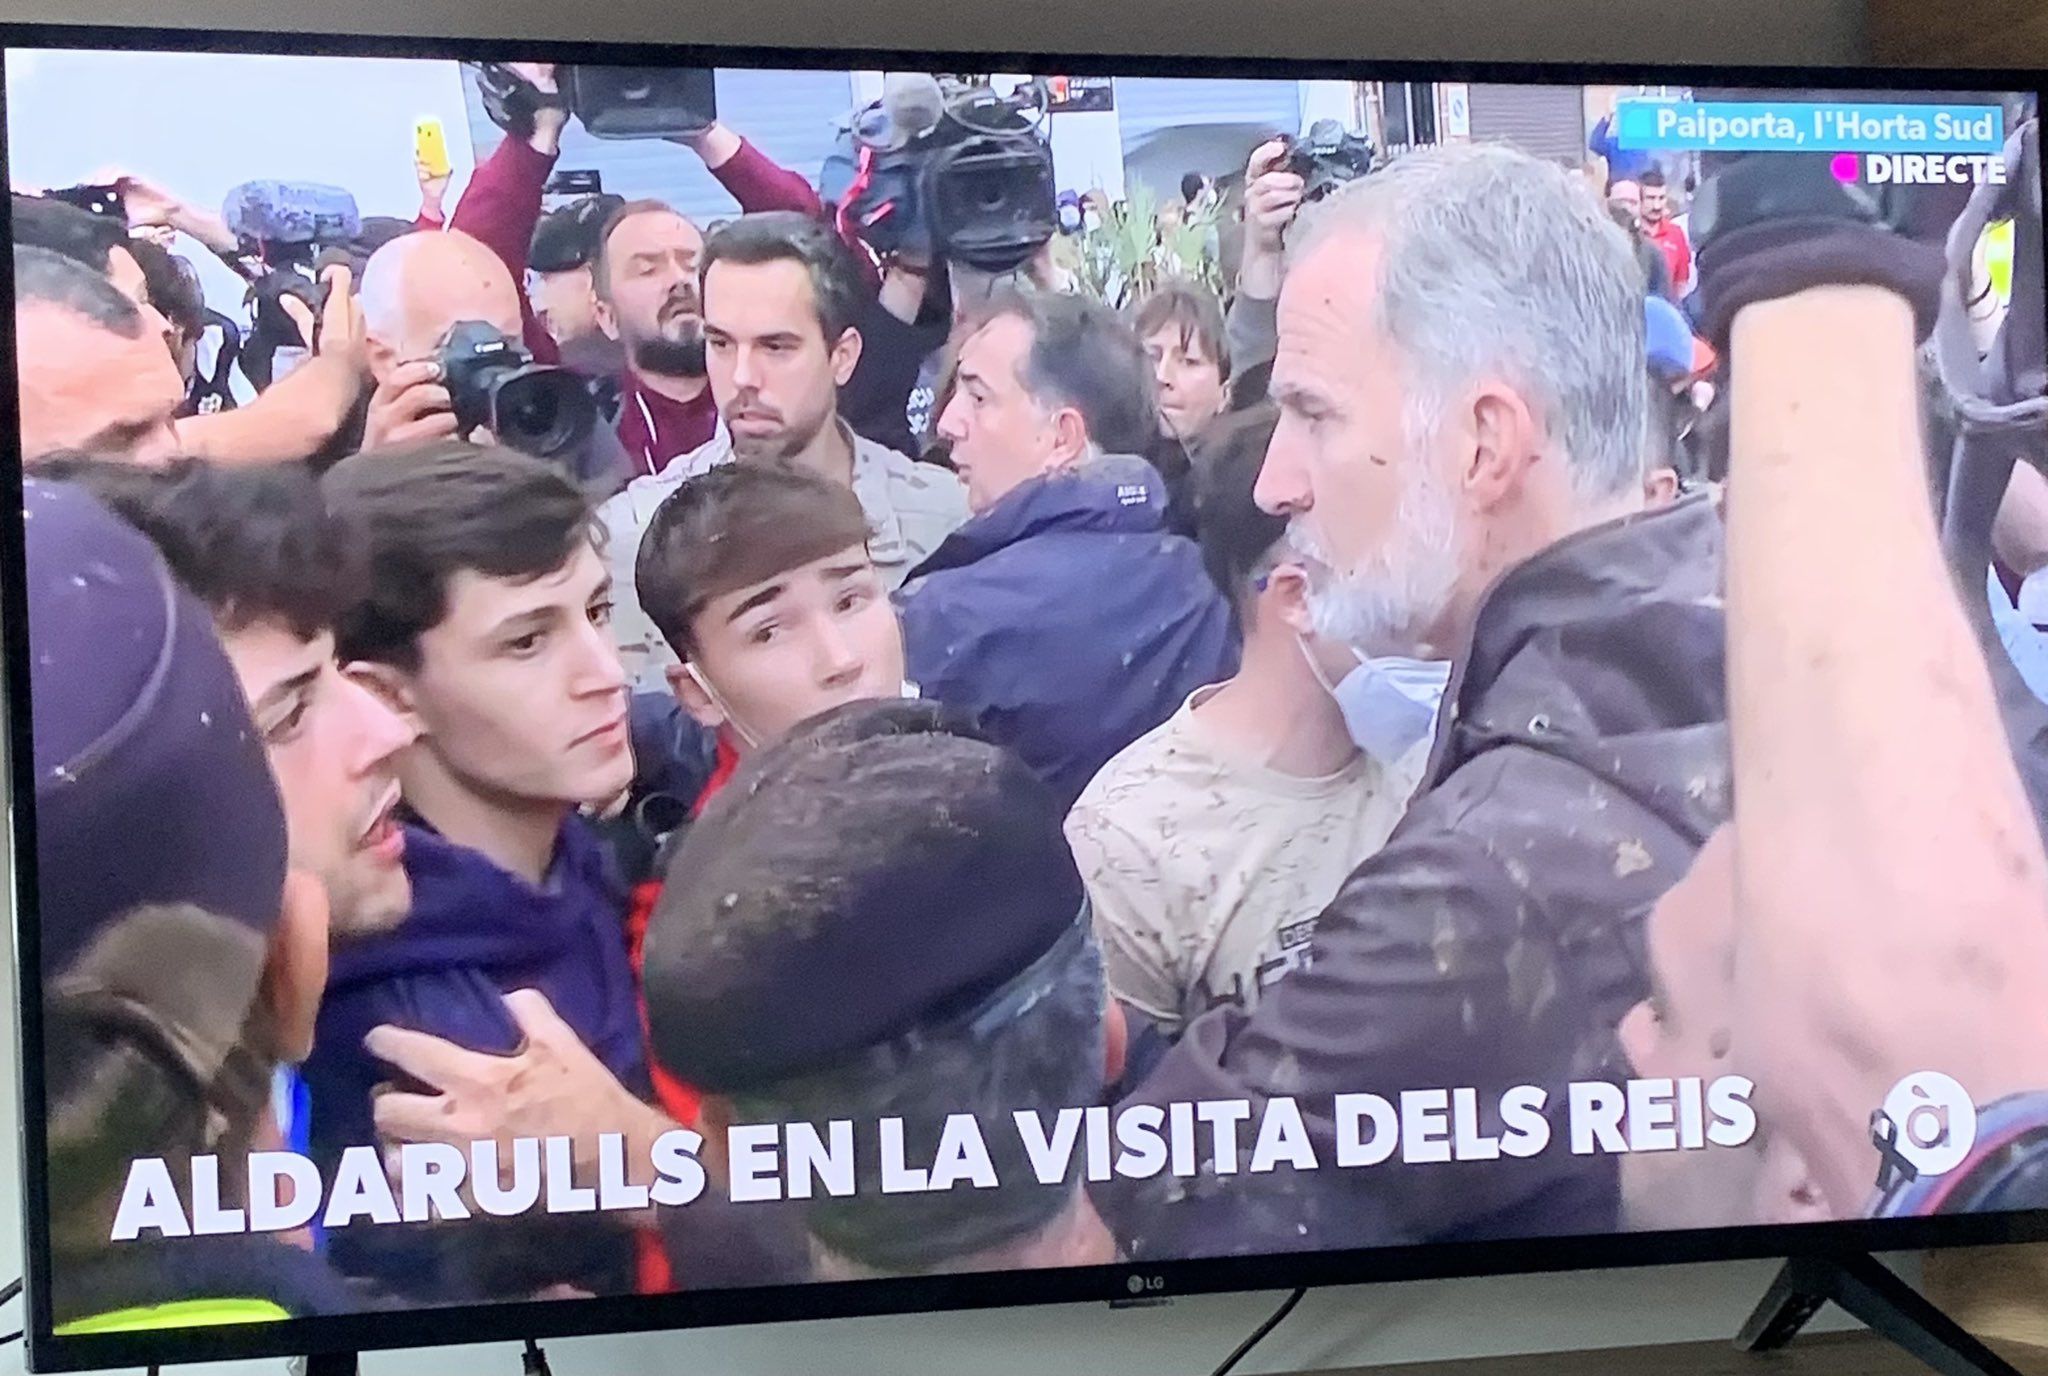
(442, 318)
(290, 420)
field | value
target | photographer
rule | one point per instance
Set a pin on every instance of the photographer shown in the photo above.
(417, 290)
(1273, 197)
(295, 417)
(664, 410)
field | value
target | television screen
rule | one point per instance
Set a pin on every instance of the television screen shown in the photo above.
(661, 687)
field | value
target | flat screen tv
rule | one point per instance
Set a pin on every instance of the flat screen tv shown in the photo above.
(657, 686)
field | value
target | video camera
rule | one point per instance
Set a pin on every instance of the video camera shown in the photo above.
(947, 170)
(493, 381)
(1327, 157)
(281, 230)
(611, 102)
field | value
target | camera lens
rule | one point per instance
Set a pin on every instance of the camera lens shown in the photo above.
(542, 411)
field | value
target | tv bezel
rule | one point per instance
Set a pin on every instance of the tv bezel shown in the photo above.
(374, 1330)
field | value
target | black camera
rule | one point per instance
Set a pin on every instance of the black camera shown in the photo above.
(1327, 157)
(103, 198)
(963, 174)
(493, 381)
(612, 102)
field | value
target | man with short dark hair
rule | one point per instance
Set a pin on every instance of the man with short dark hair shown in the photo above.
(259, 547)
(1210, 844)
(1063, 615)
(94, 372)
(780, 295)
(758, 576)
(885, 852)
(1660, 229)
(484, 627)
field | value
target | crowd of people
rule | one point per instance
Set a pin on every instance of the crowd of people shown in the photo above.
(1345, 687)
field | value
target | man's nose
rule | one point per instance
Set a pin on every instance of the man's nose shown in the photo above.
(380, 732)
(1282, 487)
(952, 428)
(838, 662)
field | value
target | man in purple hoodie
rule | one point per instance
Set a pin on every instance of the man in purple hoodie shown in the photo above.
(485, 627)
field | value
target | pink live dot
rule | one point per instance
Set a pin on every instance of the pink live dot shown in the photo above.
(1844, 167)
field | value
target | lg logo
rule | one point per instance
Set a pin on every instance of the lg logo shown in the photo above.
(1145, 1285)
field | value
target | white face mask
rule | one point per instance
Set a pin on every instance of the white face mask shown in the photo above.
(1389, 704)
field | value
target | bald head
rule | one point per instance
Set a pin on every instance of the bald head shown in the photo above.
(419, 286)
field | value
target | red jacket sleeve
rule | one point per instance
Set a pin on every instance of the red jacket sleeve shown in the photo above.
(500, 207)
(759, 183)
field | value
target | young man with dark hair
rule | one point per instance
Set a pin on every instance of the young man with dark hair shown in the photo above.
(886, 853)
(1660, 229)
(1211, 843)
(94, 372)
(759, 578)
(484, 627)
(162, 867)
(780, 296)
(259, 547)
(1064, 615)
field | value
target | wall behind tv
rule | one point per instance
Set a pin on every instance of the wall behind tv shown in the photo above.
(1333, 1327)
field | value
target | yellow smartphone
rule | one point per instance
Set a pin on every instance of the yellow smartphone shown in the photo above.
(430, 146)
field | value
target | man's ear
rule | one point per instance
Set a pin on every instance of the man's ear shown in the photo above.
(381, 357)
(692, 698)
(295, 973)
(607, 319)
(846, 355)
(1286, 594)
(1660, 487)
(390, 686)
(1069, 437)
(714, 1120)
(1505, 443)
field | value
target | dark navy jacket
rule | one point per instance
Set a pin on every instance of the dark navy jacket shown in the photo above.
(1068, 619)
(475, 934)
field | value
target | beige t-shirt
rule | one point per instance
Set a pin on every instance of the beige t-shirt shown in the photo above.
(1207, 872)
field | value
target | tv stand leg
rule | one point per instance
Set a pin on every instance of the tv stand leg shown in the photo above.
(1887, 1305)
